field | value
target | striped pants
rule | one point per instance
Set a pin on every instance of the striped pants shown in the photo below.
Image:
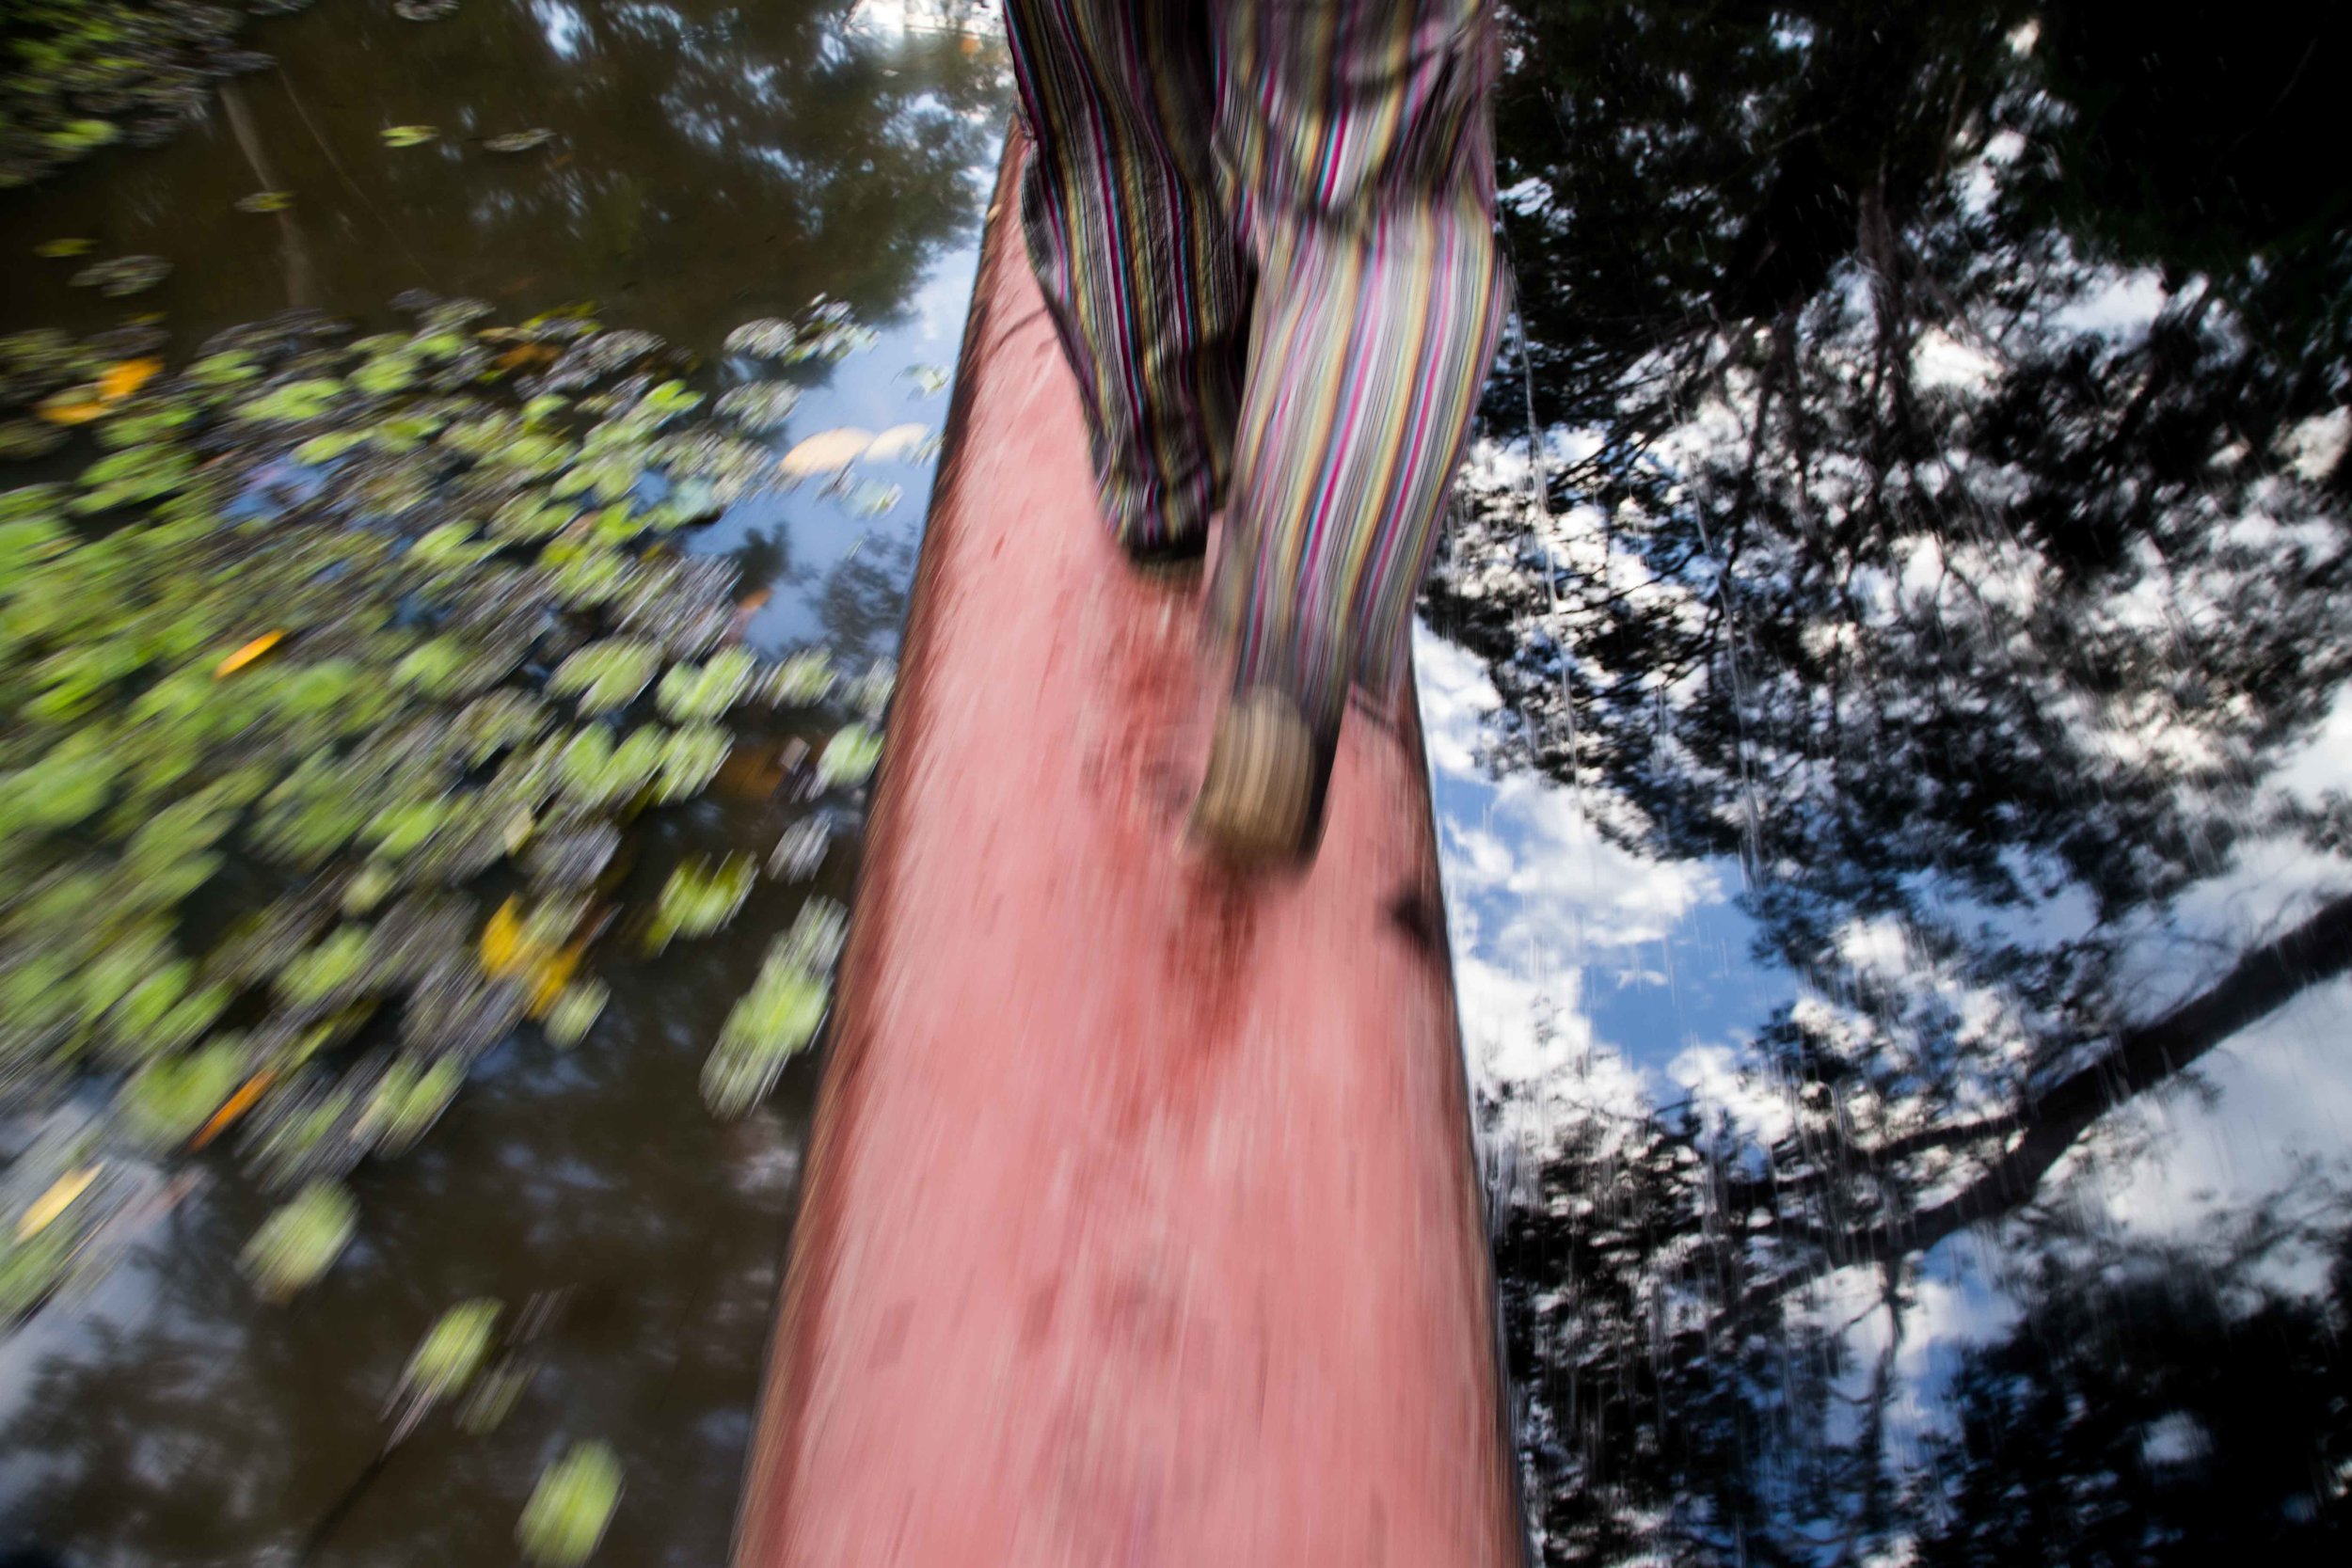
(1265, 229)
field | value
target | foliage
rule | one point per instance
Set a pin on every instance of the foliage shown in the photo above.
(778, 1018)
(319, 638)
(301, 1241)
(82, 74)
(570, 1509)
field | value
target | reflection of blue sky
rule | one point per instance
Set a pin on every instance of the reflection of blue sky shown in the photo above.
(820, 527)
(1565, 941)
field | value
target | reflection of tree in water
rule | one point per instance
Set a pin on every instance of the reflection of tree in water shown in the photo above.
(1957, 539)
(716, 160)
(2157, 1404)
(865, 599)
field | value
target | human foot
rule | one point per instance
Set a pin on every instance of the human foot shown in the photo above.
(1260, 802)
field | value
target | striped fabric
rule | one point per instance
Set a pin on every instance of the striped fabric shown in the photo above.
(1265, 227)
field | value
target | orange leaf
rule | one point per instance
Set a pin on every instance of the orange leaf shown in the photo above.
(552, 974)
(526, 354)
(248, 654)
(237, 1105)
(503, 950)
(126, 377)
(75, 405)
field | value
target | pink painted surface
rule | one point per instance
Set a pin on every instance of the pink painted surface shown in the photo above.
(1140, 1226)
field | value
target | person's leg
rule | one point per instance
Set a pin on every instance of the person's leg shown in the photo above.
(1357, 159)
(1120, 206)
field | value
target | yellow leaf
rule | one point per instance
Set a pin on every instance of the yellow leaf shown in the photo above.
(126, 377)
(551, 976)
(502, 945)
(237, 1105)
(248, 654)
(75, 405)
(59, 1197)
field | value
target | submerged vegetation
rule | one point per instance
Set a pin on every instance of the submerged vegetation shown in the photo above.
(338, 672)
(77, 76)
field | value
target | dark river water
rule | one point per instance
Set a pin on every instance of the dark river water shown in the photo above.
(714, 163)
(1888, 713)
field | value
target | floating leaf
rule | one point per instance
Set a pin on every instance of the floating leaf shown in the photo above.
(127, 376)
(849, 757)
(690, 691)
(520, 141)
(608, 675)
(767, 339)
(691, 757)
(249, 1095)
(700, 899)
(248, 654)
(762, 406)
(575, 1012)
(123, 276)
(929, 380)
(299, 1243)
(772, 1023)
(570, 1507)
(72, 406)
(43, 1211)
(803, 680)
(409, 135)
(453, 1350)
(265, 201)
(799, 853)
(58, 250)
(423, 10)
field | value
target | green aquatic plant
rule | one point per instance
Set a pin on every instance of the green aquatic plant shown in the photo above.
(309, 642)
(301, 1239)
(848, 758)
(81, 74)
(779, 1017)
(453, 1350)
(565, 1518)
(700, 899)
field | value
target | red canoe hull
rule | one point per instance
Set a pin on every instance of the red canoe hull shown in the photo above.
(1140, 1224)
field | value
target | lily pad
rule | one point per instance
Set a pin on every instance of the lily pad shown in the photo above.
(409, 135)
(265, 201)
(848, 758)
(300, 1242)
(575, 1012)
(520, 141)
(700, 899)
(58, 250)
(762, 406)
(765, 339)
(570, 1507)
(423, 10)
(123, 276)
(606, 675)
(453, 1349)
